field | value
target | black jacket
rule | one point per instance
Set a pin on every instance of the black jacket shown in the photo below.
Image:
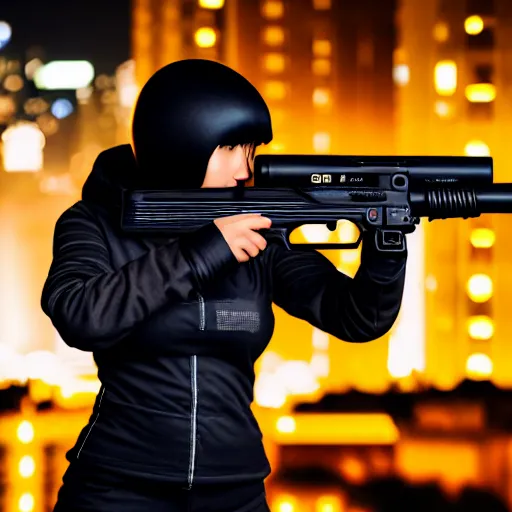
(176, 326)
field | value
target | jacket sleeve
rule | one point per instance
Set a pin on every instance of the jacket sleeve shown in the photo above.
(308, 286)
(93, 306)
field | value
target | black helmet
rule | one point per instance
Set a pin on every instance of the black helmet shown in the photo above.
(185, 111)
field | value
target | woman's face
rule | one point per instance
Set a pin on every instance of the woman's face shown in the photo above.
(228, 165)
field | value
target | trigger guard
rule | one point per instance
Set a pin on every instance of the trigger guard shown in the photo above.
(279, 234)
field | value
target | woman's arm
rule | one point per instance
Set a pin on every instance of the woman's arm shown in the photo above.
(93, 306)
(308, 286)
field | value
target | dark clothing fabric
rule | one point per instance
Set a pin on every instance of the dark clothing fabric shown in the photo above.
(93, 490)
(176, 326)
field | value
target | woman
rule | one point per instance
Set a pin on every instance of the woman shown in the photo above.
(176, 325)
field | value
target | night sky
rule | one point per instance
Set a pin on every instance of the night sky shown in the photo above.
(94, 30)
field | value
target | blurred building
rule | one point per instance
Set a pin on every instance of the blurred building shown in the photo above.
(330, 89)
(323, 66)
(452, 61)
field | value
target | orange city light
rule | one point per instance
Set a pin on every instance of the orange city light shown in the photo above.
(445, 77)
(474, 25)
(482, 238)
(481, 93)
(211, 4)
(205, 37)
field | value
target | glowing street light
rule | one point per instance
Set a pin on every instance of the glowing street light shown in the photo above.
(5, 33)
(23, 145)
(64, 75)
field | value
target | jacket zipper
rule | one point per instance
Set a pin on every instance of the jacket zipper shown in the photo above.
(193, 413)
(93, 423)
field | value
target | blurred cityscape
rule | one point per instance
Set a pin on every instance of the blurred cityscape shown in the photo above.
(418, 420)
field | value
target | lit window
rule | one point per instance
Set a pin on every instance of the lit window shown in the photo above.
(285, 504)
(482, 238)
(473, 25)
(322, 48)
(321, 67)
(441, 32)
(211, 4)
(444, 109)
(273, 9)
(480, 327)
(445, 76)
(479, 366)
(26, 502)
(273, 36)
(329, 504)
(481, 93)
(477, 148)
(322, 5)
(26, 466)
(320, 366)
(322, 142)
(321, 96)
(479, 288)
(401, 74)
(274, 90)
(274, 62)
(205, 37)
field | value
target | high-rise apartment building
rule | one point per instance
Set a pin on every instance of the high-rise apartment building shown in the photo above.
(324, 66)
(453, 62)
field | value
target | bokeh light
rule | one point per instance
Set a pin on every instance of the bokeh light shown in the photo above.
(477, 148)
(479, 288)
(26, 502)
(62, 108)
(482, 238)
(481, 93)
(473, 25)
(31, 67)
(23, 147)
(5, 33)
(441, 32)
(13, 83)
(445, 77)
(480, 327)
(211, 4)
(64, 75)
(479, 366)
(205, 37)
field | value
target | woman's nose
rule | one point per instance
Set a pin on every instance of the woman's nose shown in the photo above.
(242, 172)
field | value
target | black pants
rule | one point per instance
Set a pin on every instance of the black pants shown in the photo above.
(101, 491)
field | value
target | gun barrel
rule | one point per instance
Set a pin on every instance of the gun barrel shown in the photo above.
(423, 171)
(452, 202)
(496, 198)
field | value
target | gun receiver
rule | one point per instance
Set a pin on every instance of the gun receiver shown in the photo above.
(385, 195)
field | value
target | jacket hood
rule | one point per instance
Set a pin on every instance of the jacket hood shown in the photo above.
(112, 172)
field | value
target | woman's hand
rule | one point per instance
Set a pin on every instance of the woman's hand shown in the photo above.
(240, 233)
